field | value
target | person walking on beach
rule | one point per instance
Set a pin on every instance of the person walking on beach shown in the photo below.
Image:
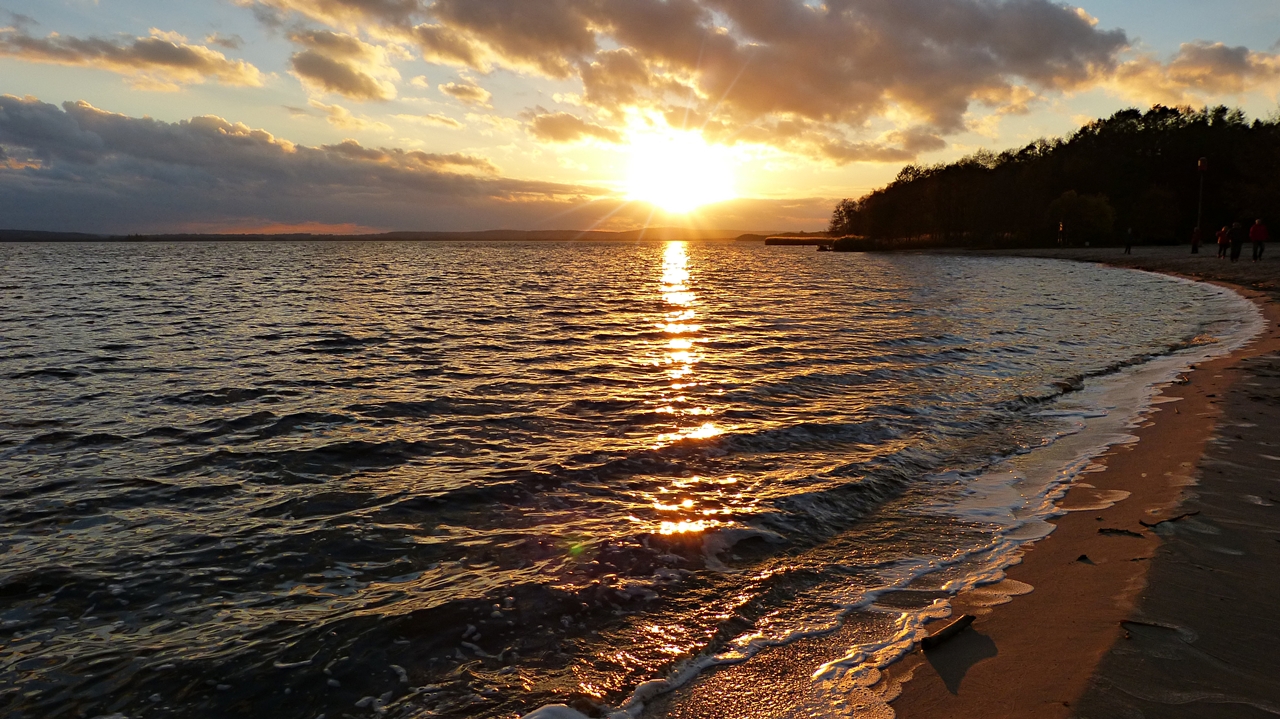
(1128, 242)
(1237, 240)
(1195, 241)
(1223, 242)
(1258, 237)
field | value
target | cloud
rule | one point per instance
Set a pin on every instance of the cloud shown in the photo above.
(836, 71)
(99, 171)
(840, 63)
(493, 124)
(432, 119)
(467, 93)
(349, 14)
(344, 64)
(808, 138)
(545, 35)
(840, 66)
(442, 45)
(619, 79)
(230, 42)
(452, 161)
(161, 61)
(848, 62)
(1199, 70)
(339, 116)
(566, 127)
(917, 139)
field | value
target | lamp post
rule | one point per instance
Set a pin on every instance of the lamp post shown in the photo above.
(1203, 168)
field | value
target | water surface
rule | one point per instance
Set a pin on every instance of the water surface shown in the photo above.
(293, 479)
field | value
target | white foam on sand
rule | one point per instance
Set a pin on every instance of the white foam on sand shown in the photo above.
(1019, 495)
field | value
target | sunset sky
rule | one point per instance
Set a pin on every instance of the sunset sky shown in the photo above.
(357, 115)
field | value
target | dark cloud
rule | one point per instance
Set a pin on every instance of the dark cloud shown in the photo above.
(840, 66)
(18, 20)
(335, 62)
(160, 61)
(853, 60)
(1217, 68)
(842, 62)
(99, 171)
(443, 45)
(566, 127)
(751, 64)
(230, 42)
(326, 73)
(549, 35)
(414, 158)
(273, 19)
(47, 132)
(917, 139)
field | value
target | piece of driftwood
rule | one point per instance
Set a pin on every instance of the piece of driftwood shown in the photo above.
(1170, 519)
(1113, 530)
(947, 632)
(1141, 623)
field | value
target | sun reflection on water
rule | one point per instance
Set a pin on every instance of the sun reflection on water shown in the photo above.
(680, 353)
(689, 505)
(684, 526)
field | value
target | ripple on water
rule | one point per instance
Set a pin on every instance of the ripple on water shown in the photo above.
(473, 479)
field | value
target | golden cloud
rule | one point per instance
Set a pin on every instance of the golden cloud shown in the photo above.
(837, 68)
(339, 116)
(566, 127)
(344, 64)
(467, 93)
(1199, 70)
(161, 61)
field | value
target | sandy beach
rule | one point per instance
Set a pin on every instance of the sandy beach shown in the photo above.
(1157, 605)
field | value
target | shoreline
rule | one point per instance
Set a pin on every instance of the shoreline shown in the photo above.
(1081, 585)
(1089, 576)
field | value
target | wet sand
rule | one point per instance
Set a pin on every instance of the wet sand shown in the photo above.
(1124, 619)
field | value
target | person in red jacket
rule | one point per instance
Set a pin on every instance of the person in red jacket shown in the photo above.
(1223, 242)
(1258, 236)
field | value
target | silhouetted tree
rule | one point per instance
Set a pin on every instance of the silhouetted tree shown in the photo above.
(843, 216)
(1141, 164)
(1085, 218)
(1155, 215)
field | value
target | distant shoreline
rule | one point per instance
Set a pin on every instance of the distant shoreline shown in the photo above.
(648, 234)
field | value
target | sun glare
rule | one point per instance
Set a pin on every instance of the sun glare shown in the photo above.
(678, 171)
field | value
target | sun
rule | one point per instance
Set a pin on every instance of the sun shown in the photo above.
(678, 171)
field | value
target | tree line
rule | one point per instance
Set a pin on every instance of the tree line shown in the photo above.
(1134, 170)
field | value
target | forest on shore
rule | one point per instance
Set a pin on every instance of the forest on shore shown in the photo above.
(1134, 170)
